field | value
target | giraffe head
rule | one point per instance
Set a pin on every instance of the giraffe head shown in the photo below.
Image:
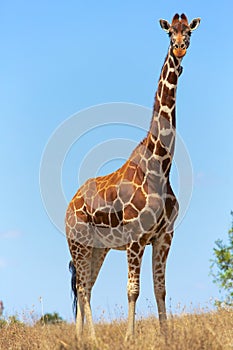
(179, 32)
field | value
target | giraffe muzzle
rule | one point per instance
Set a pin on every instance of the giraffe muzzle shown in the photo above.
(179, 50)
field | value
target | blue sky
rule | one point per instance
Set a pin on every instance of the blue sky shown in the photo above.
(58, 58)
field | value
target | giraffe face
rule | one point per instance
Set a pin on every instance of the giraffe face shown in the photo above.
(179, 32)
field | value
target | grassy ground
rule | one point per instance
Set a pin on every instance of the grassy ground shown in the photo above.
(210, 331)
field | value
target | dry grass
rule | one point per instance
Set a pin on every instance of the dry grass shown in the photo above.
(210, 331)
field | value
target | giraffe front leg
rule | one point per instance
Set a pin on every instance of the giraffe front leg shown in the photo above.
(134, 256)
(159, 258)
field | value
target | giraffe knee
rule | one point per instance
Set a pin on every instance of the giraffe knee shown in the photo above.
(133, 296)
(133, 292)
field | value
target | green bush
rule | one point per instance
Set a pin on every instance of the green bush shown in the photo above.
(51, 319)
(222, 268)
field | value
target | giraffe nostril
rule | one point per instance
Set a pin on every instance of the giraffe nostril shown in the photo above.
(179, 46)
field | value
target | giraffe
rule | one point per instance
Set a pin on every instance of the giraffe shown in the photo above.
(135, 205)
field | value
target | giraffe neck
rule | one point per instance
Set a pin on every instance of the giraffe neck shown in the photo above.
(164, 113)
(161, 136)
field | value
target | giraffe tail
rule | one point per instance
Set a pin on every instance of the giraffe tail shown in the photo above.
(73, 286)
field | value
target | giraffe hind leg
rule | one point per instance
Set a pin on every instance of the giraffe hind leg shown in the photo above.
(78, 307)
(98, 256)
(82, 263)
(88, 262)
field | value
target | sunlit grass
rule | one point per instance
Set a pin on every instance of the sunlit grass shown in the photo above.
(208, 330)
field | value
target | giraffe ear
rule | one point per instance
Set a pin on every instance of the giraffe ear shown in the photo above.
(164, 25)
(194, 23)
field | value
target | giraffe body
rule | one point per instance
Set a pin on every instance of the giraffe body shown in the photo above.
(113, 210)
(135, 205)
